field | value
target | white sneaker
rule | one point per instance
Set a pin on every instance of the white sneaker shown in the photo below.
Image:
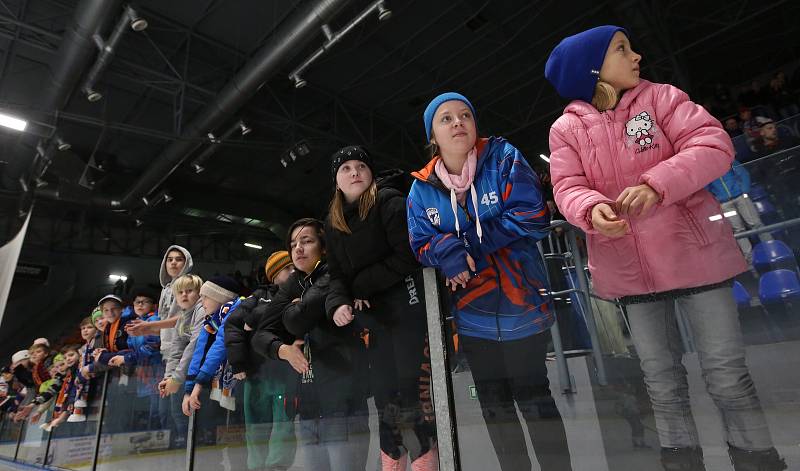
(76, 418)
(80, 403)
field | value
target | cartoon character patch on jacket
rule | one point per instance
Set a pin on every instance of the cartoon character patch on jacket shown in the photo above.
(641, 129)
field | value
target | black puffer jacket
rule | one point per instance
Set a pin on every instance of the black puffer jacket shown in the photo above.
(376, 255)
(237, 339)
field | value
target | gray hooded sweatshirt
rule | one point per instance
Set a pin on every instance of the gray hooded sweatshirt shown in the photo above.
(167, 305)
(186, 332)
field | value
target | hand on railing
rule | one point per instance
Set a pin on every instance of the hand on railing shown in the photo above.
(361, 304)
(168, 387)
(606, 221)
(343, 315)
(462, 278)
(294, 355)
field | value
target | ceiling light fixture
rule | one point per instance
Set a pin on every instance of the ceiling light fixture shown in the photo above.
(384, 13)
(253, 246)
(12, 122)
(245, 128)
(545, 158)
(62, 145)
(137, 22)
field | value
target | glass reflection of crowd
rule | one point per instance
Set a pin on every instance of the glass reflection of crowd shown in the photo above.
(341, 316)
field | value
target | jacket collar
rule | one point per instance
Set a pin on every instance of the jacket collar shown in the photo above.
(427, 173)
(582, 108)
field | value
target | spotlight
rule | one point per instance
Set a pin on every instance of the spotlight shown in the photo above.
(12, 122)
(299, 82)
(137, 22)
(198, 168)
(292, 155)
(245, 129)
(212, 138)
(62, 145)
(383, 12)
(138, 222)
(284, 163)
(545, 158)
(167, 197)
(92, 95)
(253, 246)
(40, 183)
(145, 201)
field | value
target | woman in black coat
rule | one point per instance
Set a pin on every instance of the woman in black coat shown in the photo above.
(372, 268)
(331, 360)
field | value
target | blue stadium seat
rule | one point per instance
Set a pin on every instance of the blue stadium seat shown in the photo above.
(741, 295)
(779, 286)
(773, 254)
(757, 193)
(764, 207)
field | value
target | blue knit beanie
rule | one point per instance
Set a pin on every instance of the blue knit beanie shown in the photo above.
(574, 65)
(434, 105)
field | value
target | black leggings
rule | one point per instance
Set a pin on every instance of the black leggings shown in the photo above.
(400, 371)
(515, 371)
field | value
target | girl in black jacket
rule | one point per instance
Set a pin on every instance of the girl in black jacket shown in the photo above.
(373, 270)
(331, 360)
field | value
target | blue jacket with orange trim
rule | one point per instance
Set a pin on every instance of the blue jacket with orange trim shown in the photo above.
(506, 300)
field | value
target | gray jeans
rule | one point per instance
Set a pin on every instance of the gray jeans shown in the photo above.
(746, 217)
(714, 321)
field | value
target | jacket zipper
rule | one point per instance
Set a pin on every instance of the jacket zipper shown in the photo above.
(642, 264)
(727, 190)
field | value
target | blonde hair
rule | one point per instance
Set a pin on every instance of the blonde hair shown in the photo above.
(365, 202)
(185, 282)
(605, 96)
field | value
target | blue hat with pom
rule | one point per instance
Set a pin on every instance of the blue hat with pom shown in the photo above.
(434, 105)
(573, 67)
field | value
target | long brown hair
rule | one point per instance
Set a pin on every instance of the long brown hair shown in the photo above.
(365, 202)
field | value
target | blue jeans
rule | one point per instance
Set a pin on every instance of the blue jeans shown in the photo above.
(714, 322)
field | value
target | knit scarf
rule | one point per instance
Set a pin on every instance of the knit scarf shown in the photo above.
(460, 184)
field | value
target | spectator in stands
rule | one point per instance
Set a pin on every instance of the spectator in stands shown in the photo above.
(784, 103)
(64, 396)
(732, 127)
(22, 368)
(115, 351)
(372, 266)
(269, 416)
(752, 96)
(186, 289)
(731, 191)
(653, 245)
(770, 140)
(476, 212)
(331, 360)
(220, 298)
(83, 380)
(149, 367)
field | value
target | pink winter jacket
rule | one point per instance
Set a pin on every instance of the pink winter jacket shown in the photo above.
(655, 135)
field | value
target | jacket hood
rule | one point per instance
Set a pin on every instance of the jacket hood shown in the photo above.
(581, 108)
(395, 179)
(163, 276)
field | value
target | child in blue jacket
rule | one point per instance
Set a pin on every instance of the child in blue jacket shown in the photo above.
(476, 212)
(731, 190)
(208, 368)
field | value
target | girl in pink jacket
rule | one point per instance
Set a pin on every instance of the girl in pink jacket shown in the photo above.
(629, 163)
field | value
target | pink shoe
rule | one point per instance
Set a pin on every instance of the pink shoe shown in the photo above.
(427, 462)
(390, 464)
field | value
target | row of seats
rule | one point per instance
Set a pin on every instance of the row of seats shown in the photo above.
(775, 287)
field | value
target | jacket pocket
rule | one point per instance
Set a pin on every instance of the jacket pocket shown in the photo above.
(695, 225)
